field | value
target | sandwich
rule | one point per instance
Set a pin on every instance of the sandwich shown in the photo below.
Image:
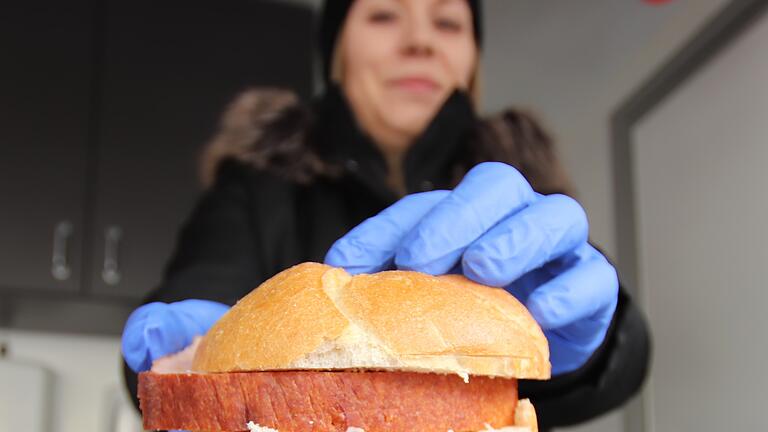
(317, 349)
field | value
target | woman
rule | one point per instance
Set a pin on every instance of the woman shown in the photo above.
(339, 181)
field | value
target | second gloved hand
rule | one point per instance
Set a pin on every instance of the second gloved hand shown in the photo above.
(157, 329)
(496, 230)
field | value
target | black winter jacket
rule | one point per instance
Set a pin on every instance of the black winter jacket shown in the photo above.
(252, 223)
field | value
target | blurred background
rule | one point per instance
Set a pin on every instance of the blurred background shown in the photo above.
(660, 110)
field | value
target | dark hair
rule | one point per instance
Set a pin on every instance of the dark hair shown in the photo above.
(271, 131)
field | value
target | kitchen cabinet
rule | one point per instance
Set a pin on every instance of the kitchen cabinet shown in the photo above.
(168, 71)
(45, 114)
(104, 109)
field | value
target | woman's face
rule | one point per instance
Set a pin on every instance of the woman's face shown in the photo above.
(399, 60)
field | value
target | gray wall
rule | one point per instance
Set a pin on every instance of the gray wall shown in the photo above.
(700, 160)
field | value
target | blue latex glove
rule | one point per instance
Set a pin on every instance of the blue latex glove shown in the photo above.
(496, 230)
(158, 329)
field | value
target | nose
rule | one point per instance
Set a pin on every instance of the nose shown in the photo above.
(418, 39)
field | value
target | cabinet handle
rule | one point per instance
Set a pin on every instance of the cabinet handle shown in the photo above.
(60, 269)
(111, 271)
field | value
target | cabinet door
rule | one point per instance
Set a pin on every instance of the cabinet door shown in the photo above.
(44, 120)
(169, 70)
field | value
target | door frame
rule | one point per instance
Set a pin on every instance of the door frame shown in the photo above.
(726, 26)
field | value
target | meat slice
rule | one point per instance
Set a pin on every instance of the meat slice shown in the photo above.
(179, 362)
(298, 401)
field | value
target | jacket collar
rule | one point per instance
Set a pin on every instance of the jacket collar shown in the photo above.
(427, 161)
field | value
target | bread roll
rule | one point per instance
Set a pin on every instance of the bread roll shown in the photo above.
(313, 316)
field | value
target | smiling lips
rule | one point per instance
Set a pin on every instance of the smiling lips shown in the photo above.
(416, 84)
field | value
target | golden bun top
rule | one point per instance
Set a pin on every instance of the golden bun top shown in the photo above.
(313, 316)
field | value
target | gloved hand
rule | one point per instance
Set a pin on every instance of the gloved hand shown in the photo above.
(158, 329)
(496, 230)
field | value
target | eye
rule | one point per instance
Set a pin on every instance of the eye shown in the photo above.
(382, 17)
(449, 25)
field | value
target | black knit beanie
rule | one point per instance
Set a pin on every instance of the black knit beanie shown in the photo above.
(332, 18)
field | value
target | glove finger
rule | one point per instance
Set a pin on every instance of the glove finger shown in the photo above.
(198, 316)
(526, 240)
(488, 193)
(174, 329)
(589, 287)
(158, 329)
(571, 346)
(567, 356)
(370, 247)
(166, 336)
(134, 344)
